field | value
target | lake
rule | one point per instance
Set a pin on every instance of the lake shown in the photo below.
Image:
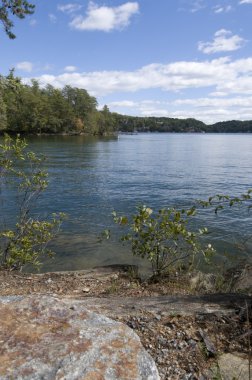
(90, 177)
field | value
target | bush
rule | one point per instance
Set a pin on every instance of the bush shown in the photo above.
(21, 171)
(164, 239)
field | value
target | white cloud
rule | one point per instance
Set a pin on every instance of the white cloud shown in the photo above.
(206, 109)
(25, 66)
(47, 67)
(70, 69)
(245, 1)
(213, 115)
(197, 6)
(222, 9)
(223, 41)
(52, 18)
(105, 18)
(211, 110)
(244, 102)
(228, 84)
(222, 74)
(33, 22)
(123, 103)
(218, 93)
(69, 8)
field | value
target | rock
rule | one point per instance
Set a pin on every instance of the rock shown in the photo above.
(243, 278)
(234, 367)
(208, 344)
(51, 338)
(86, 290)
(192, 343)
(119, 268)
(203, 282)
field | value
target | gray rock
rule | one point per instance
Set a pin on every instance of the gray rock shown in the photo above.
(233, 367)
(7, 299)
(203, 282)
(50, 338)
(208, 344)
(243, 278)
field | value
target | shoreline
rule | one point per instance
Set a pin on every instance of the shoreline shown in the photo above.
(168, 317)
(118, 133)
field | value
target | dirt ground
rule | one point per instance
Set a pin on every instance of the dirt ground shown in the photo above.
(185, 345)
(100, 281)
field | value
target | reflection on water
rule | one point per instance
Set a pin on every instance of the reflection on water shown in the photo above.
(90, 177)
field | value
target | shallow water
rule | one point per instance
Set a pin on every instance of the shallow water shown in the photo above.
(90, 177)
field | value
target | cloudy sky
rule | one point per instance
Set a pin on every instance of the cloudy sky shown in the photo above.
(175, 58)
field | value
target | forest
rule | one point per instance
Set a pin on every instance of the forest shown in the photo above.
(165, 124)
(30, 109)
(34, 110)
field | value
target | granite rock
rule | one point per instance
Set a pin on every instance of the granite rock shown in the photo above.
(45, 337)
(234, 366)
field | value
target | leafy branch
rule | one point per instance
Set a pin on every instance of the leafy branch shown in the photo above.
(219, 201)
(17, 8)
(28, 241)
(163, 238)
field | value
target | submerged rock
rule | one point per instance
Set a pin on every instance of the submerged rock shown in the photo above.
(46, 338)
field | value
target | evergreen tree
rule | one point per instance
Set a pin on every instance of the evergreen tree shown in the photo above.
(17, 8)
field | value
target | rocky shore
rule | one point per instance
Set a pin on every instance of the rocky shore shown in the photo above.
(190, 335)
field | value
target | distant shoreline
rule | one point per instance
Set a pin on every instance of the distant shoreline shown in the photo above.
(131, 125)
(116, 134)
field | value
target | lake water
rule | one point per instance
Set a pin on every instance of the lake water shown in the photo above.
(90, 177)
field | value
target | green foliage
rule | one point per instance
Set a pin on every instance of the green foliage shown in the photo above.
(17, 8)
(219, 201)
(35, 110)
(167, 124)
(27, 242)
(3, 117)
(164, 238)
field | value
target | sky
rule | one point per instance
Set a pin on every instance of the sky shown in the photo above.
(173, 58)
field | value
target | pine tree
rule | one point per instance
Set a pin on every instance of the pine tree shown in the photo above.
(17, 8)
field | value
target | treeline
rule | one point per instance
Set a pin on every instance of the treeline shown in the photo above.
(31, 109)
(165, 124)
(35, 110)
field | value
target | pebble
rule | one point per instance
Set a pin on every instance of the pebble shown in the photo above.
(114, 276)
(188, 376)
(182, 345)
(162, 341)
(165, 351)
(192, 342)
(86, 290)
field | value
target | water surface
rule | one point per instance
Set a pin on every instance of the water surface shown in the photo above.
(90, 177)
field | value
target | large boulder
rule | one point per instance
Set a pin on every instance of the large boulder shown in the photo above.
(46, 338)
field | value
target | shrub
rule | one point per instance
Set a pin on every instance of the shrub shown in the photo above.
(21, 171)
(164, 238)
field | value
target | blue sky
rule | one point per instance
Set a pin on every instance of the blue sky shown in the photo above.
(183, 58)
